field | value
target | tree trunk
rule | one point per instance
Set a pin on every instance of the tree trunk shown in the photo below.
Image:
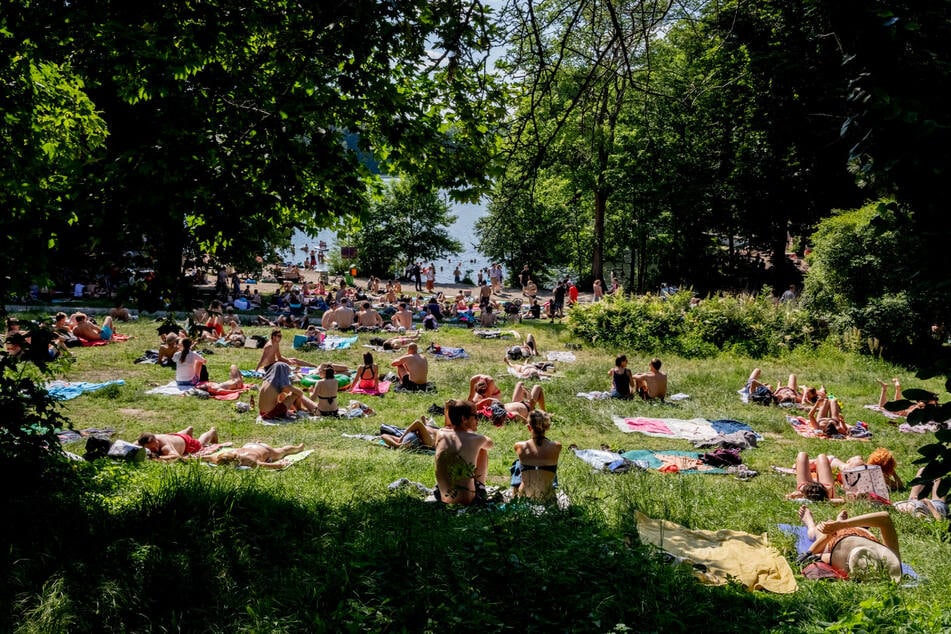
(597, 251)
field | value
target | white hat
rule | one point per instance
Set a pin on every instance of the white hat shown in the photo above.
(867, 557)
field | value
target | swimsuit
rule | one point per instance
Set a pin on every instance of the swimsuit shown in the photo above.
(366, 383)
(191, 445)
(408, 384)
(622, 389)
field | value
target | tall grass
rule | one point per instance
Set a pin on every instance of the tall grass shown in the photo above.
(325, 546)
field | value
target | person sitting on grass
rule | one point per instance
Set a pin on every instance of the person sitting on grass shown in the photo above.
(814, 482)
(368, 375)
(276, 390)
(653, 383)
(325, 392)
(189, 365)
(271, 354)
(462, 456)
(622, 381)
(533, 474)
(255, 454)
(412, 369)
(178, 445)
(850, 548)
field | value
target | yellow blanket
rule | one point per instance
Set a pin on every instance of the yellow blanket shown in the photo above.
(749, 559)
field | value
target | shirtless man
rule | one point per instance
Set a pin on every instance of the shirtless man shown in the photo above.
(368, 317)
(522, 404)
(271, 354)
(90, 332)
(178, 445)
(255, 454)
(329, 318)
(412, 368)
(403, 318)
(462, 456)
(344, 316)
(653, 383)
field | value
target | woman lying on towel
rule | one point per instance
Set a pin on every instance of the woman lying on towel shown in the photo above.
(533, 370)
(826, 416)
(533, 474)
(790, 393)
(850, 548)
(883, 398)
(255, 454)
(814, 481)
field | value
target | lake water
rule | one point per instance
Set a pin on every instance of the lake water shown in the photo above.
(462, 230)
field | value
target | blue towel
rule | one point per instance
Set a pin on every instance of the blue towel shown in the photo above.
(65, 391)
(726, 426)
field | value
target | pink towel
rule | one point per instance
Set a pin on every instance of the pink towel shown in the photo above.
(381, 388)
(647, 426)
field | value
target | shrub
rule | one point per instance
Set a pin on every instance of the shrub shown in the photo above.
(748, 325)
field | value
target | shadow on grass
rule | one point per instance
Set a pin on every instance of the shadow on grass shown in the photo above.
(208, 554)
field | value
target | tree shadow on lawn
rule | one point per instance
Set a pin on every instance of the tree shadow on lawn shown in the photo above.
(205, 554)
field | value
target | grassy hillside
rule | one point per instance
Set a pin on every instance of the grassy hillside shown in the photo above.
(325, 546)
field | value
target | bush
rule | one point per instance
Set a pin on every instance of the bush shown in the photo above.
(743, 324)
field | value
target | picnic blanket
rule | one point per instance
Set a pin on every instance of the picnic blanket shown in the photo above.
(801, 534)
(594, 396)
(72, 435)
(691, 429)
(336, 342)
(725, 554)
(382, 387)
(801, 426)
(560, 355)
(607, 460)
(445, 352)
(174, 389)
(65, 390)
(884, 412)
(252, 374)
(493, 333)
(685, 461)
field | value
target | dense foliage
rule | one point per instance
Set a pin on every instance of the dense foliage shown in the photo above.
(754, 326)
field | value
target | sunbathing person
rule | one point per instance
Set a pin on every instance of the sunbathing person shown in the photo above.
(167, 350)
(482, 386)
(368, 375)
(789, 393)
(403, 341)
(532, 370)
(255, 454)
(814, 482)
(419, 434)
(622, 381)
(271, 354)
(325, 392)
(883, 399)
(84, 329)
(177, 445)
(881, 457)
(826, 416)
(524, 350)
(523, 402)
(278, 397)
(533, 474)
(935, 507)
(462, 457)
(235, 381)
(235, 336)
(653, 383)
(850, 548)
(412, 369)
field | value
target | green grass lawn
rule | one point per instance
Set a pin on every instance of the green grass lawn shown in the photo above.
(324, 546)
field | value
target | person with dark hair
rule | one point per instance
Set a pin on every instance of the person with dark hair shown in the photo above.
(622, 381)
(462, 456)
(653, 383)
(84, 329)
(412, 368)
(177, 445)
(276, 389)
(271, 354)
(815, 488)
(536, 466)
(325, 392)
(189, 365)
(368, 317)
(368, 375)
(853, 551)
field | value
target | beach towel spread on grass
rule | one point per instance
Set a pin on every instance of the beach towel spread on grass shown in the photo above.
(334, 342)
(726, 554)
(102, 342)
(685, 461)
(594, 396)
(174, 389)
(445, 352)
(65, 390)
(692, 429)
(605, 460)
(493, 333)
(561, 355)
(382, 387)
(287, 461)
(801, 533)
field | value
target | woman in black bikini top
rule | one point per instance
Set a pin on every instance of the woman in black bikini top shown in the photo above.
(537, 461)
